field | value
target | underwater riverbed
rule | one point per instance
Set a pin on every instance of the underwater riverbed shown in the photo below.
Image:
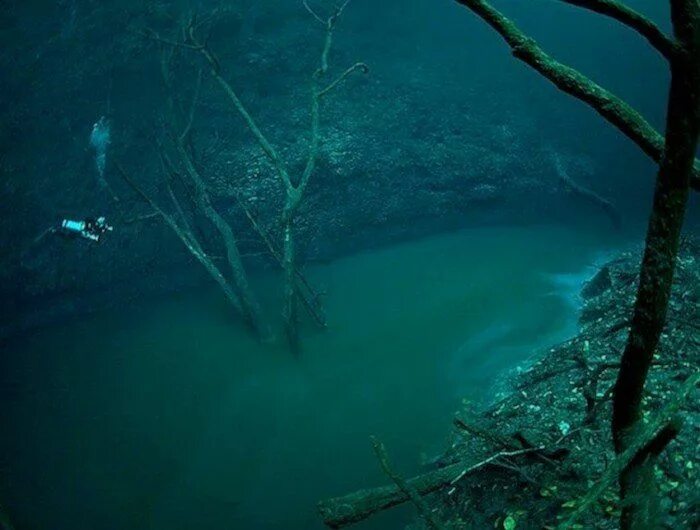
(167, 416)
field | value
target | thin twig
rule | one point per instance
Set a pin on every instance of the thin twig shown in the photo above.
(139, 218)
(492, 458)
(666, 45)
(152, 35)
(313, 13)
(357, 66)
(193, 107)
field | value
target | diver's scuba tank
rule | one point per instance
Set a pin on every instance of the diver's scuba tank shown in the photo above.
(91, 231)
(73, 226)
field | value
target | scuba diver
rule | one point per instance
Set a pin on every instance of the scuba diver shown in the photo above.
(89, 228)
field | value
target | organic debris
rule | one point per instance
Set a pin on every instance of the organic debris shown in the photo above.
(530, 459)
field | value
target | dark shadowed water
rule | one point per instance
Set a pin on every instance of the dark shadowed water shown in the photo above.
(167, 416)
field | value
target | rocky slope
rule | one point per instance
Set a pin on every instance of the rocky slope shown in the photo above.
(533, 457)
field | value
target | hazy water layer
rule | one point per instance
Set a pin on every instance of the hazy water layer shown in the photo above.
(169, 417)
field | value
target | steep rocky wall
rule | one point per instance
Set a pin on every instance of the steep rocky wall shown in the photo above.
(437, 136)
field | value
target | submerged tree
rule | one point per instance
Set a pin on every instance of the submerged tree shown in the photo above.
(177, 158)
(178, 222)
(179, 133)
(678, 172)
(294, 186)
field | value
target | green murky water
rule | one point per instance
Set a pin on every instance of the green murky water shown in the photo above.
(167, 416)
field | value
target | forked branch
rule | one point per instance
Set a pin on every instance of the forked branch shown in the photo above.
(616, 111)
(361, 67)
(262, 140)
(294, 188)
(185, 236)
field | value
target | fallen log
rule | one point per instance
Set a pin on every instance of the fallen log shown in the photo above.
(354, 507)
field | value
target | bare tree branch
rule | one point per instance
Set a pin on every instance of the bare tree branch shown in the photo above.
(313, 13)
(362, 67)
(666, 45)
(139, 218)
(608, 105)
(193, 107)
(152, 35)
(190, 243)
(262, 140)
(581, 191)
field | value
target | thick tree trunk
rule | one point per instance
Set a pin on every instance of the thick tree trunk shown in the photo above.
(293, 190)
(187, 238)
(291, 303)
(181, 132)
(249, 307)
(656, 275)
(357, 506)
(220, 279)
